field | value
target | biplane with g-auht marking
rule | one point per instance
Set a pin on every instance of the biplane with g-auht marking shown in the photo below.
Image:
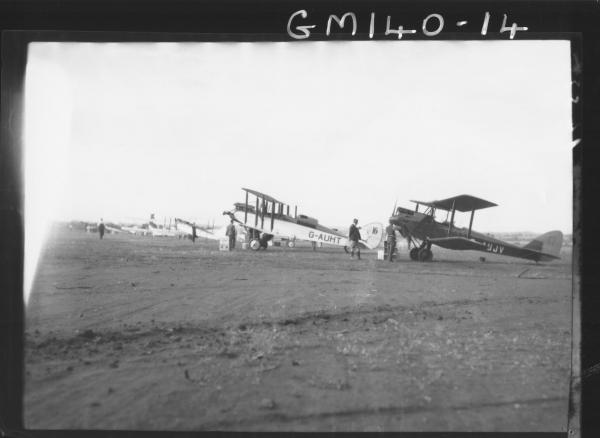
(266, 218)
(422, 231)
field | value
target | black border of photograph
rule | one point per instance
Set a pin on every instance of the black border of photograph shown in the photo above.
(189, 20)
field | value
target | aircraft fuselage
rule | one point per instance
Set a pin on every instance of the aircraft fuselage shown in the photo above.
(423, 226)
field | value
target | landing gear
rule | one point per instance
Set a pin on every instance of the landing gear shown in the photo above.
(264, 240)
(291, 244)
(422, 252)
(414, 254)
(425, 255)
(254, 245)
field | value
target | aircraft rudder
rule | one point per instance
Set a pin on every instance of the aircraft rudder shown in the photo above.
(548, 243)
(373, 234)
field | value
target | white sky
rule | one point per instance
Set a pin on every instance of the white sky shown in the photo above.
(343, 129)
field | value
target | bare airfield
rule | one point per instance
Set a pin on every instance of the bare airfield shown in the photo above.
(159, 333)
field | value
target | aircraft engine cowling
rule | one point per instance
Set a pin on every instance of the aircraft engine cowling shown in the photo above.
(403, 231)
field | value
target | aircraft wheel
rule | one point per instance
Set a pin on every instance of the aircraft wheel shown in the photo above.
(425, 255)
(414, 254)
(254, 245)
(291, 244)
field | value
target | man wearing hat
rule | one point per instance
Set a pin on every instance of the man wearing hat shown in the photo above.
(354, 237)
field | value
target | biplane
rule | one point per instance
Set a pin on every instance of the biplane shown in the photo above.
(265, 218)
(161, 230)
(136, 229)
(109, 227)
(188, 229)
(422, 231)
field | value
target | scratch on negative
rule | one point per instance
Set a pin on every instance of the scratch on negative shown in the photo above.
(519, 276)
(595, 369)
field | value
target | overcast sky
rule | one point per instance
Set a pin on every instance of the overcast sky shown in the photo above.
(342, 129)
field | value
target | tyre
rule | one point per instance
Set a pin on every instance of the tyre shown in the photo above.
(291, 244)
(414, 254)
(254, 245)
(425, 255)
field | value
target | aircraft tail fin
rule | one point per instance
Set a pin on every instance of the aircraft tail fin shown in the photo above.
(372, 234)
(548, 243)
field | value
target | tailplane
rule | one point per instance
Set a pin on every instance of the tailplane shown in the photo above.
(548, 244)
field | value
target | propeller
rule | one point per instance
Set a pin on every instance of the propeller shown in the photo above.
(394, 210)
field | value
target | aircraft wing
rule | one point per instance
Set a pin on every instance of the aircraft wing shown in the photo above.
(460, 203)
(261, 195)
(187, 228)
(459, 243)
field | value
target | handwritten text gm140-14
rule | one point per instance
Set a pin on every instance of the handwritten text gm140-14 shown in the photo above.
(299, 25)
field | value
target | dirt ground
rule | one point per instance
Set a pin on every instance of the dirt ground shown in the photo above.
(159, 333)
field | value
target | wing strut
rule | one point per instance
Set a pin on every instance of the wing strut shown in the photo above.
(256, 214)
(451, 218)
(246, 209)
(470, 224)
(272, 215)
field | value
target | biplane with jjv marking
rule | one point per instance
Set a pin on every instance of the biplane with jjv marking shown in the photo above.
(265, 218)
(422, 231)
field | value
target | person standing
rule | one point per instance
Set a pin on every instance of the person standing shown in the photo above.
(101, 229)
(354, 237)
(390, 240)
(194, 232)
(231, 233)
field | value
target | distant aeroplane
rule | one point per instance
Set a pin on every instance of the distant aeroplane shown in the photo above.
(422, 230)
(151, 227)
(109, 227)
(188, 228)
(135, 229)
(266, 218)
(157, 230)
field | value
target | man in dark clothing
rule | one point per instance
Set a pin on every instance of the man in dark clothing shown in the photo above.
(194, 232)
(390, 241)
(231, 233)
(101, 229)
(354, 237)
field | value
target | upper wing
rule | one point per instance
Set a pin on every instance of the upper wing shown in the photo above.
(261, 195)
(460, 203)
